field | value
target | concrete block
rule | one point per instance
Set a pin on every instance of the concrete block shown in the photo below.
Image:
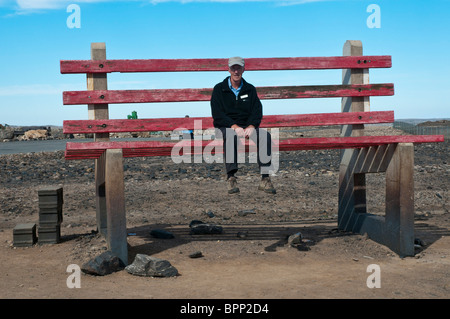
(24, 235)
(49, 234)
(51, 195)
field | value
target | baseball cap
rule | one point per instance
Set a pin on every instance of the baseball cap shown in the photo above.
(236, 60)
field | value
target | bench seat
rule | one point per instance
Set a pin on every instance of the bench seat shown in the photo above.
(93, 150)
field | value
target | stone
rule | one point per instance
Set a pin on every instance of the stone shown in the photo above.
(6, 133)
(161, 233)
(196, 254)
(24, 235)
(148, 266)
(419, 242)
(195, 222)
(295, 239)
(206, 229)
(242, 234)
(104, 264)
(246, 212)
(35, 134)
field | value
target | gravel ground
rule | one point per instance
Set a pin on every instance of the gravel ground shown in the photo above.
(161, 194)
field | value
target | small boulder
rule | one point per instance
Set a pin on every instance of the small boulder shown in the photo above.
(195, 222)
(6, 133)
(196, 254)
(104, 264)
(246, 212)
(148, 266)
(295, 239)
(206, 229)
(35, 134)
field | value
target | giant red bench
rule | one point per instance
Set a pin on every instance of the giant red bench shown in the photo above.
(360, 155)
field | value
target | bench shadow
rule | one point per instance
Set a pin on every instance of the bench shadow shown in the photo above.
(276, 234)
(312, 233)
(428, 234)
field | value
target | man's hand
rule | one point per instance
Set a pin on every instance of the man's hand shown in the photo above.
(239, 130)
(249, 131)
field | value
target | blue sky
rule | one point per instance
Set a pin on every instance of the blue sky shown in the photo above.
(35, 37)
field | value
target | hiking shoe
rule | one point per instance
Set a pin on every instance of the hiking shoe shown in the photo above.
(232, 185)
(267, 186)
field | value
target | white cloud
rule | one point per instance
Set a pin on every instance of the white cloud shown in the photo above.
(30, 5)
(52, 4)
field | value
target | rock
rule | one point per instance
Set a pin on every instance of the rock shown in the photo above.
(102, 265)
(196, 254)
(161, 233)
(195, 222)
(206, 229)
(242, 234)
(295, 239)
(35, 134)
(419, 242)
(6, 133)
(148, 266)
(245, 212)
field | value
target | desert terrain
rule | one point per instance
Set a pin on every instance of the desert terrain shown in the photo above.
(251, 258)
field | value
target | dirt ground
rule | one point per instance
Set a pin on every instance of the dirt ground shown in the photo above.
(251, 259)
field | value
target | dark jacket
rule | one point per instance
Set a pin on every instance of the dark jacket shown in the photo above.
(243, 110)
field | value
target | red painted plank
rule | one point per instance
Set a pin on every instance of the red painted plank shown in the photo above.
(189, 95)
(268, 121)
(156, 148)
(252, 64)
(354, 141)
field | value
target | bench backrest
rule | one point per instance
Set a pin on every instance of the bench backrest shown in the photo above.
(98, 96)
(252, 64)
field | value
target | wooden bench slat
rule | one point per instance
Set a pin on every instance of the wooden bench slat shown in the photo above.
(190, 95)
(268, 121)
(251, 64)
(317, 143)
(79, 150)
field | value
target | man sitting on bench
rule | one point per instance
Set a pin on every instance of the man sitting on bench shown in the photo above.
(237, 112)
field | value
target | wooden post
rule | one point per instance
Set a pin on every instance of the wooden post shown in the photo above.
(352, 186)
(98, 81)
(109, 176)
(115, 204)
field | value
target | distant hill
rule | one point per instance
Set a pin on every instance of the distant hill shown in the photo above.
(435, 123)
(430, 122)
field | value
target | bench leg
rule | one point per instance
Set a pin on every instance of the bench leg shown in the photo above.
(400, 199)
(115, 204)
(352, 191)
(396, 229)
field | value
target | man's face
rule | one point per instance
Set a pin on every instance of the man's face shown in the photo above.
(236, 72)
